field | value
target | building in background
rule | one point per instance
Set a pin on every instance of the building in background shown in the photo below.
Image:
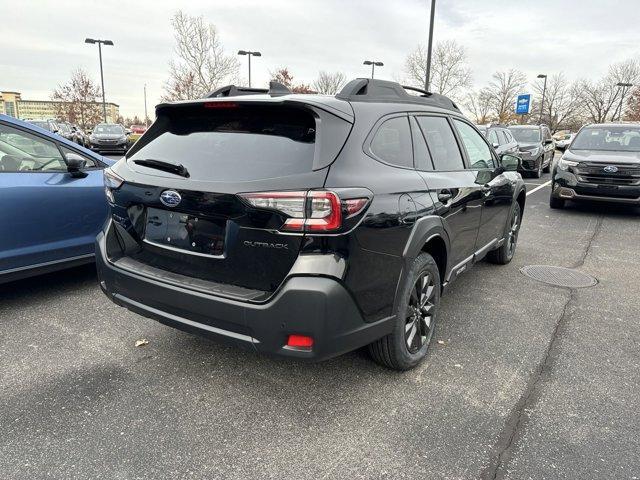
(12, 104)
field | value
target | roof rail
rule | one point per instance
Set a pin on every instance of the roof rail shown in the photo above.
(371, 90)
(275, 89)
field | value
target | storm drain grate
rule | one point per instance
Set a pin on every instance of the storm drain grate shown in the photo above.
(559, 276)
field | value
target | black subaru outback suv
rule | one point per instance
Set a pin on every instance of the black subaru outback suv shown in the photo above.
(306, 225)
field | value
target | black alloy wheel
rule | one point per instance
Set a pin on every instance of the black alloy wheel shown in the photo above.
(419, 322)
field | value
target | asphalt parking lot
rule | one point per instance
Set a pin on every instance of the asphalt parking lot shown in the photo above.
(526, 380)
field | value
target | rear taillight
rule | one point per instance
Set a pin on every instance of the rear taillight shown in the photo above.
(313, 211)
(112, 181)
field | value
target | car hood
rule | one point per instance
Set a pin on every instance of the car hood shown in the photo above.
(598, 156)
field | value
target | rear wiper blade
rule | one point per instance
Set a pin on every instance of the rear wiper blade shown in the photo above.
(164, 166)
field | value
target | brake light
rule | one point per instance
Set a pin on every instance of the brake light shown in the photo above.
(313, 211)
(220, 105)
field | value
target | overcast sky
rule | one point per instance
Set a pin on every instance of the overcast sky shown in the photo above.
(42, 42)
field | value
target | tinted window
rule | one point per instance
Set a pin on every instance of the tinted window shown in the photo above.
(420, 151)
(23, 152)
(392, 142)
(233, 144)
(442, 143)
(477, 149)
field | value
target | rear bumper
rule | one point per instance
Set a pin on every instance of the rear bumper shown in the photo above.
(316, 306)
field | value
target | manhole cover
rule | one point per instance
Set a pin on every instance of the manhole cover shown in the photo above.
(560, 276)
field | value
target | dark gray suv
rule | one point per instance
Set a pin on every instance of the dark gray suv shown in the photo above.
(536, 148)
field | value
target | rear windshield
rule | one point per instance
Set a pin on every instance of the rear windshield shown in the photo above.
(608, 139)
(236, 143)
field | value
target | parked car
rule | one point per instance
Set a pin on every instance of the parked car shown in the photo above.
(536, 148)
(500, 138)
(70, 132)
(52, 192)
(49, 125)
(109, 137)
(307, 225)
(82, 138)
(139, 129)
(601, 164)
(565, 141)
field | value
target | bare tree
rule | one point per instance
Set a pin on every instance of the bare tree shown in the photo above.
(561, 101)
(633, 106)
(600, 100)
(202, 64)
(502, 93)
(479, 105)
(283, 76)
(77, 100)
(450, 74)
(329, 83)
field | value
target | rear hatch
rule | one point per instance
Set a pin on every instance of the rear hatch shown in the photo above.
(215, 223)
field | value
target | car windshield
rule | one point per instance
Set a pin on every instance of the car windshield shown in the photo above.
(608, 139)
(526, 135)
(109, 129)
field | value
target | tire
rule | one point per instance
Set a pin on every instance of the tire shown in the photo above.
(504, 254)
(538, 172)
(408, 344)
(556, 203)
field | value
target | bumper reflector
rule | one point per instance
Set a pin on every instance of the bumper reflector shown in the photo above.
(300, 341)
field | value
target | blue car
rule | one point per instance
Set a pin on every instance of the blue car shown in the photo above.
(52, 202)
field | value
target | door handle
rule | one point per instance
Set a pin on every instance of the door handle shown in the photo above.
(444, 195)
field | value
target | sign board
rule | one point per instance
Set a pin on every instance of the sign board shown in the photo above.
(523, 104)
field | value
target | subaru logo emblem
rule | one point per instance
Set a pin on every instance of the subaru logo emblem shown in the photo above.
(610, 169)
(170, 198)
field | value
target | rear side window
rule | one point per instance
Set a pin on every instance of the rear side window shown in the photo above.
(441, 142)
(493, 137)
(234, 143)
(392, 142)
(477, 149)
(422, 158)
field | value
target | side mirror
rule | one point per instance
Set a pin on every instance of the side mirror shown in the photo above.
(496, 145)
(75, 165)
(510, 163)
(548, 141)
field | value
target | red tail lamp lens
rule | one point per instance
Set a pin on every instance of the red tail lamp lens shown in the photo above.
(300, 341)
(326, 212)
(220, 105)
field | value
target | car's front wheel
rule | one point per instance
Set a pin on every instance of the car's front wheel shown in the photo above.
(415, 320)
(538, 172)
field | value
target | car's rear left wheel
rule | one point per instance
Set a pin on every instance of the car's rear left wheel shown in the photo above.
(415, 320)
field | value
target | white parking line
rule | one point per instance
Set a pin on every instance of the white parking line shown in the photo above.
(538, 188)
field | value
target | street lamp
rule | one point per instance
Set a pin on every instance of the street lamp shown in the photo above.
(146, 118)
(249, 54)
(544, 92)
(100, 43)
(373, 64)
(427, 78)
(624, 87)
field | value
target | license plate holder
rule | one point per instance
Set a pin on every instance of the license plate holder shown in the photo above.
(185, 232)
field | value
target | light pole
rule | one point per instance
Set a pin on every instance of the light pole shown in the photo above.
(373, 64)
(624, 87)
(249, 54)
(427, 79)
(100, 43)
(146, 121)
(544, 92)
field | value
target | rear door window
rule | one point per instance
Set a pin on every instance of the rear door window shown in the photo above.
(421, 155)
(441, 142)
(477, 149)
(232, 142)
(392, 142)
